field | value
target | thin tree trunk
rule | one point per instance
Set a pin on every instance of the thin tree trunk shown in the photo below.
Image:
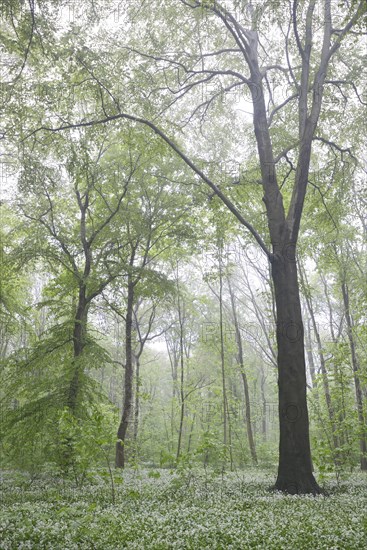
(173, 355)
(182, 402)
(222, 358)
(357, 382)
(137, 398)
(344, 435)
(191, 433)
(311, 362)
(128, 386)
(241, 363)
(264, 404)
(325, 379)
(182, 380)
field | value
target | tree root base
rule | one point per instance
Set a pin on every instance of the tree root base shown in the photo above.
(307, 486)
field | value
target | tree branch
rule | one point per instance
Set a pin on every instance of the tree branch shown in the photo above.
(335, 146)
(178, 151)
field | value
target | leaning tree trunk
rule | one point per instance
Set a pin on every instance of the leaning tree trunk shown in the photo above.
(295, 465)
(128, 385)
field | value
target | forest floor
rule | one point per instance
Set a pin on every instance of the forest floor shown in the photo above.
(193, 509)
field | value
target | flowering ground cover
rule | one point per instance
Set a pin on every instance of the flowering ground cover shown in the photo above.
(193, 509)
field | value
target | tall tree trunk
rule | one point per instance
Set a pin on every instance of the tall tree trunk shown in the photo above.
(182, 377)
(311, 362)
(174, 356)
(344, 433)
(128, 385)
(295, 465)
(80, 320)
(295, 468)
(191, 433)
(357, 382)
(325, 379)
(222, 358)
(241, 363)
(137, 398)
(182, 397)
(79, 333)
(264, 405)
